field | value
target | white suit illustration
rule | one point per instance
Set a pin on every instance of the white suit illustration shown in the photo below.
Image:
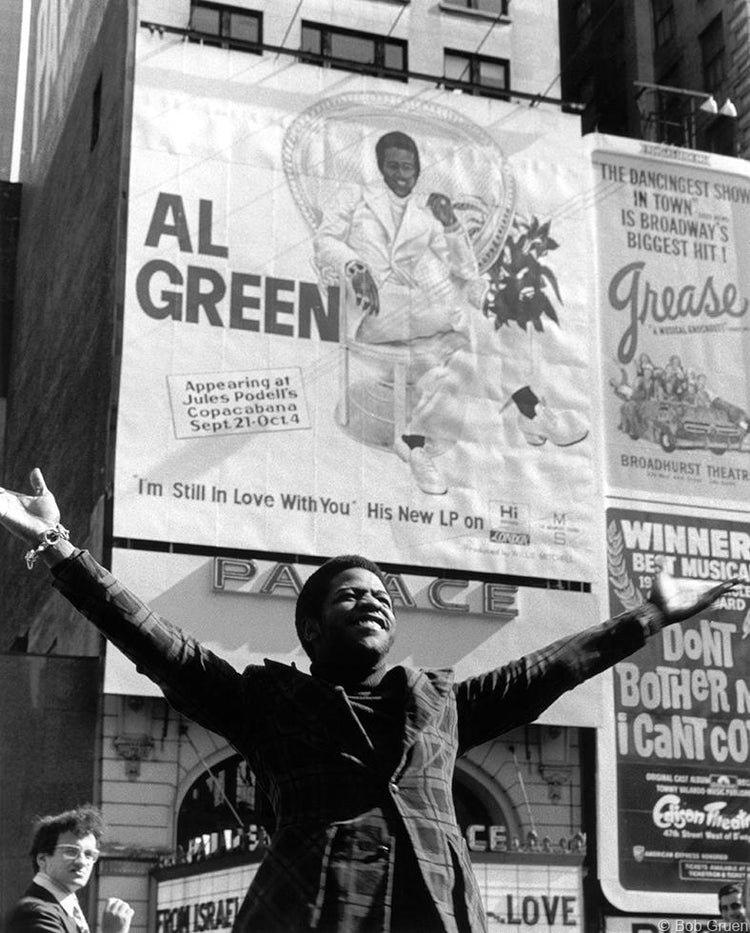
(426, 275)
(428, 283)
(410, 278)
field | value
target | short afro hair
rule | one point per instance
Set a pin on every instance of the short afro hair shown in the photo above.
(315, 589)
(83, 821)
(396, 140)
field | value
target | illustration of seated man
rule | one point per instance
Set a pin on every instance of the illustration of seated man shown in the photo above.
(411, 273)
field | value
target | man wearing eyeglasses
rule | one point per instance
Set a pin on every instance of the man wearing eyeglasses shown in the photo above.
(732, 908)
(64, 850)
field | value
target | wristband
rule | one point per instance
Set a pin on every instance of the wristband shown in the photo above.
(48, 538)
(652, 619)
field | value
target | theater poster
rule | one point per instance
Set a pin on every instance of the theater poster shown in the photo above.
(674, 762)
(673, 226)
(357, 317)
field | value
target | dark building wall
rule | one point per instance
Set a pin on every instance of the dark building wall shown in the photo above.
(49, 721)
(592, 56)
(10, 213)
(10, 209)
(64, 334)
(608, 48)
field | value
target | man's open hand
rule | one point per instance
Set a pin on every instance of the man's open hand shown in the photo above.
(27, 516)
(679, 599)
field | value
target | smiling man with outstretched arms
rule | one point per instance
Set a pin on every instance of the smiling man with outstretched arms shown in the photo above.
(355, 757)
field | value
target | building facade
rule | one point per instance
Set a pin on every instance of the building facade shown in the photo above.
(647, 70)
(214, 423)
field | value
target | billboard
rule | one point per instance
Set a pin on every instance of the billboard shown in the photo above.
(528, 897)
(355, 319)
(676, 754)
(674, 294)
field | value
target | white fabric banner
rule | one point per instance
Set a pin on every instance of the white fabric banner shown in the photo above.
(300, 300)
(674, 295)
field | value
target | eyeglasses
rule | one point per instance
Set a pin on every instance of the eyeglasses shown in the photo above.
(71, 852)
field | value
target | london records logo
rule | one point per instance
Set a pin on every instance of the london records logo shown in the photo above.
(510, 524)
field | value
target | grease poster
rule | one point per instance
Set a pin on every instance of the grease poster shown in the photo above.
(674, 294)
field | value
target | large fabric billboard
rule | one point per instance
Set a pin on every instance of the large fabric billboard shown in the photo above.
(357, 317)
(676, 754)
(674, 295)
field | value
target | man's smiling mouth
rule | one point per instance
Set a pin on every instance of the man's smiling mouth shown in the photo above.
(373, 622)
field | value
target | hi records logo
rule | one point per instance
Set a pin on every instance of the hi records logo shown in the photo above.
(510, 524)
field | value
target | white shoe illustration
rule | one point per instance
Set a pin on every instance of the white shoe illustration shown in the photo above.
(563, 428)
(423, 469)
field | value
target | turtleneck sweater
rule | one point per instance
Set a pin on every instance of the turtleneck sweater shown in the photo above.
(377, 700)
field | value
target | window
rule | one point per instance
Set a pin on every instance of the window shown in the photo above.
(664, 25)
(226, 26)
(585, 96)
(670, 109)
(712, 55)
(489, 7)
(353, 51)
(487, 75)
(215, 800)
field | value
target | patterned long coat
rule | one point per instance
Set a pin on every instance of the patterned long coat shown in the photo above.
(337, 811)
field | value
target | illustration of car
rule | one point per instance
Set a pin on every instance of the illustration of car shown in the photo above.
(679, 424)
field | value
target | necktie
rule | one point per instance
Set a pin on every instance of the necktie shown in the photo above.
(80, 920)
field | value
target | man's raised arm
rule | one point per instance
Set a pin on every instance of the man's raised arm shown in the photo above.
(518, 692)
(197, 682)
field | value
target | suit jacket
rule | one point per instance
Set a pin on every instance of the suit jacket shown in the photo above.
(337, 810)
(420, 269)
(38, 911)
